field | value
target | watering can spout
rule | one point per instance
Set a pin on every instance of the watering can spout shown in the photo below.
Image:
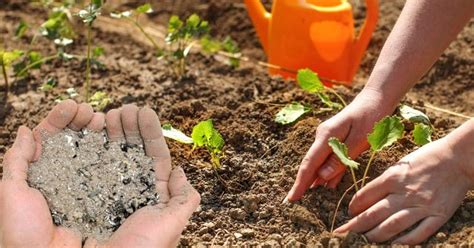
(260, 19)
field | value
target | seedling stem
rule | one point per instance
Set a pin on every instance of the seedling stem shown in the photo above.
(88, 63)
(337, 95)
(39, 62)
(5, 76)
(372, 156)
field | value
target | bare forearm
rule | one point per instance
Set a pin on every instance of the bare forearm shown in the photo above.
(461, 143)
(423, 31)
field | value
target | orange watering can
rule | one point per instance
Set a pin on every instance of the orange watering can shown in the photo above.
(315, 34)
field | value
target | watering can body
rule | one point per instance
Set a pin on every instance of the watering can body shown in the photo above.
(315, 34)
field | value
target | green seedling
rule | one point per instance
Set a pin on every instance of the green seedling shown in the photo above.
(100, 100)
(88, 16)
(204, 135)
(385, 133)
(341, 151)
(423, 128)
(228, 46)
(181, 38)
(291, 112)
(58, 25)
(310, 82)
(231, 47)
(175, 134)
(6, 60)
(133, 17)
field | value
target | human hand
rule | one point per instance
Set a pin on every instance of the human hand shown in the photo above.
(160, 225)
(427, 186)
(351, 125)
(25, 219)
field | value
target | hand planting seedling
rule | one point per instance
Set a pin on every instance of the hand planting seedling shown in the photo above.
(204, 135)
(423, 128)
(88, 16)
(181, 37)
(384, 134)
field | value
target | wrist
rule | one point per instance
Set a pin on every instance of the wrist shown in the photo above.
(461, 144)
(377, 100)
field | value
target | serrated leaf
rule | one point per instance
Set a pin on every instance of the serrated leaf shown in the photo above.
(175, 134)
(385, 133)
(414, 115)
(145, 8)
(309, 81)
(291, 112)
(422, 134)
(341, 151)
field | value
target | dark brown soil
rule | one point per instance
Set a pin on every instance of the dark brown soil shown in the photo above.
(243, 204)
(95, 184)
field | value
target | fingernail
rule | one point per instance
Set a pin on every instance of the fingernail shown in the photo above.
(285, 201)
(326, 172)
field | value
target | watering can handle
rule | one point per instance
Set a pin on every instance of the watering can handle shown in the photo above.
(362, 41)
(261, 20)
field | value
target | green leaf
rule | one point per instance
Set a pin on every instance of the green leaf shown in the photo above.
(414, 115)
(97, 3)
(193, 21)
(145, 8)
(309, 81)
(385, 133)
(341, 151)
(174, 24)
(7, 58)
(204, 134)
(97, 52)
(34, 58)
(21, 29)
(291, 112)
(209, 45)
(422, 134)
(175, 134)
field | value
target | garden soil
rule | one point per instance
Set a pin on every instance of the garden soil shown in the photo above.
(243, 205)
(95, 184)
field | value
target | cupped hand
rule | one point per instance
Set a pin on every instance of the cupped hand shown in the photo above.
(425, 187)
(160, 225)
(25, 219)
(351, 126)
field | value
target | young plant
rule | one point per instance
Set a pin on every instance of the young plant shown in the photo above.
(88, 16)
(181, 38)
(231, 47)
(204, 135)
(228, 46)
(49, 84)
(58, 25)
(291, 112)
(385, 133)
(310, 82)
(423, 128)
(6, 60)
(341, 151)
(133, 17)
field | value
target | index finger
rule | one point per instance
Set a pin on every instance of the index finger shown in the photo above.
(317, 154)
(155, 147)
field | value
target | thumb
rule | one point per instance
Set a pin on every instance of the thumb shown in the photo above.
(184, 198)
(17, 159)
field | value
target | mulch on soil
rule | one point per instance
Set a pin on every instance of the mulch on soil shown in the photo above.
(242, 205)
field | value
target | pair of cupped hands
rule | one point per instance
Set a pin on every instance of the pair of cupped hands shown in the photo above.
(25, 219)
